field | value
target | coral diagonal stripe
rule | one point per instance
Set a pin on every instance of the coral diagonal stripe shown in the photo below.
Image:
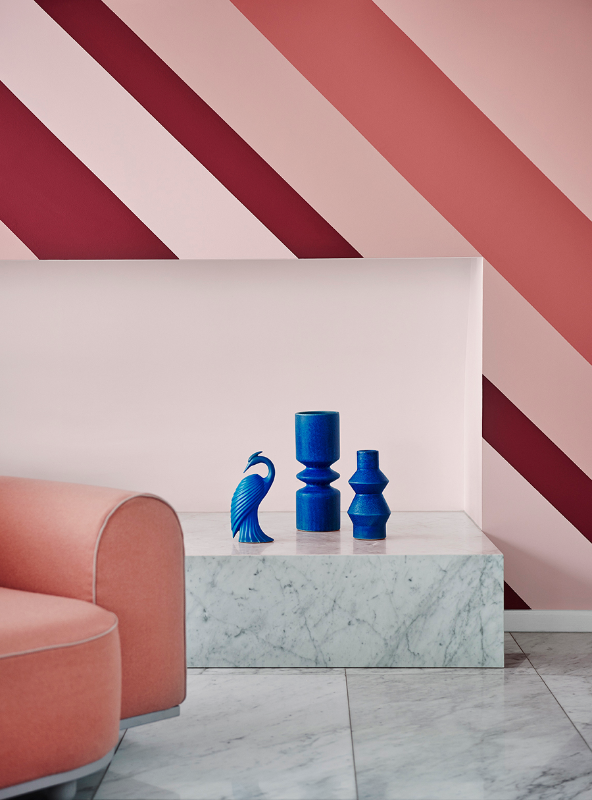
(526, 448)
(54, 203)
(198, 128)
(445, 147)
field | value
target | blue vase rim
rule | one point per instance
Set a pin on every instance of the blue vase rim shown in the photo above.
(311, 413)
(367, 451)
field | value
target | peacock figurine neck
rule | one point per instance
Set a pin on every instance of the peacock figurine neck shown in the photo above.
(267, 479)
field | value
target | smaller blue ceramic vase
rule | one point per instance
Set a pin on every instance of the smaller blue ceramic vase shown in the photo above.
(369, 510)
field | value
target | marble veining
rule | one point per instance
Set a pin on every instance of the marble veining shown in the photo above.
(430, 595)
(514, 660)
(269, 670)
(324, 612)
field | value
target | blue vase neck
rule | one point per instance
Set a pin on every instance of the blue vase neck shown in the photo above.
(317, 476)
(368, 479)
(367, 459)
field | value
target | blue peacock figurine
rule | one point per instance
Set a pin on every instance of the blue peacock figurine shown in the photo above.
(246, 500)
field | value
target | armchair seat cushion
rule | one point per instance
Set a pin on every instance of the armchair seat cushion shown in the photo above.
(60, 678)
(120, 550)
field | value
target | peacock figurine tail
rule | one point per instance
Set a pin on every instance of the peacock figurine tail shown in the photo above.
(250, 530)
(246, 500)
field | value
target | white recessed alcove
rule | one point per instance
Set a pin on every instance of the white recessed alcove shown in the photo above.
(165, 376)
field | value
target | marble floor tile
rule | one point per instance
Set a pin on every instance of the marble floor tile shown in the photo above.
(558, 653)
(464, 735)
(574, 695)
(243, 735)
(515, 658)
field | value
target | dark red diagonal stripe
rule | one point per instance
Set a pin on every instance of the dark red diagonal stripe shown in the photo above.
(198, 128)
(54, 203)
(537, 459)
(512, 599)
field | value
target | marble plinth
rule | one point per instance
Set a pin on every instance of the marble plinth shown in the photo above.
(429, 595)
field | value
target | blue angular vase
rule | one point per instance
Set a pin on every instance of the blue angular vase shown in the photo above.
(317, 447)
(369, 510)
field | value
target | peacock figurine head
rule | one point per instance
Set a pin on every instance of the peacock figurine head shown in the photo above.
(254, 460)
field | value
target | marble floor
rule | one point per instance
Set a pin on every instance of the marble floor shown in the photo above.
(410, 734)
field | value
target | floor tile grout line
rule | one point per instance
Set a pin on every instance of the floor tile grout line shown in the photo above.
(98, 786)
(564, 711)
(574, 726)
(351, 733)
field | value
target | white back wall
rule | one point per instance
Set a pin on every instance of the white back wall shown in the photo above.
(164, 376)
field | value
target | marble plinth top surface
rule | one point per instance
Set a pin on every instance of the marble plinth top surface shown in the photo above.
(408, 533)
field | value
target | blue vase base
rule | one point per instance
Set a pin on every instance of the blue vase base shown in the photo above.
(368, 535)
(318, 510)
(369, 526)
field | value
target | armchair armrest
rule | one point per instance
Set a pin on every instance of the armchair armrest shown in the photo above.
(120, 550)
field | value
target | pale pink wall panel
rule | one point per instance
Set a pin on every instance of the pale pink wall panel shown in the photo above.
(473, 400)
(155, 176)
(541, 373)
(164, 376)
(546, 560)
(527, 65)
(237, 71)
(11, 246)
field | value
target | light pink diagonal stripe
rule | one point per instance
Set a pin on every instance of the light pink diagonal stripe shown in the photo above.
(11, 247)
(537, 369)
(546, 559)
(236, 70)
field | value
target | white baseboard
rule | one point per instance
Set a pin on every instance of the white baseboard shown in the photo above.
(557, 621)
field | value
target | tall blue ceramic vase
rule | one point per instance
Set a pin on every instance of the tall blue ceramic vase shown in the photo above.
(317, 447)
(369, 510)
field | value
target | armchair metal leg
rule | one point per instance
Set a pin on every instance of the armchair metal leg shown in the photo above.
(63, 791)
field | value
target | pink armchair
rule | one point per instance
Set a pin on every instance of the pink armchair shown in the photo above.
(92, 578)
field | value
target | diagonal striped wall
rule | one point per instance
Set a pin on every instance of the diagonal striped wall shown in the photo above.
(342, 128)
